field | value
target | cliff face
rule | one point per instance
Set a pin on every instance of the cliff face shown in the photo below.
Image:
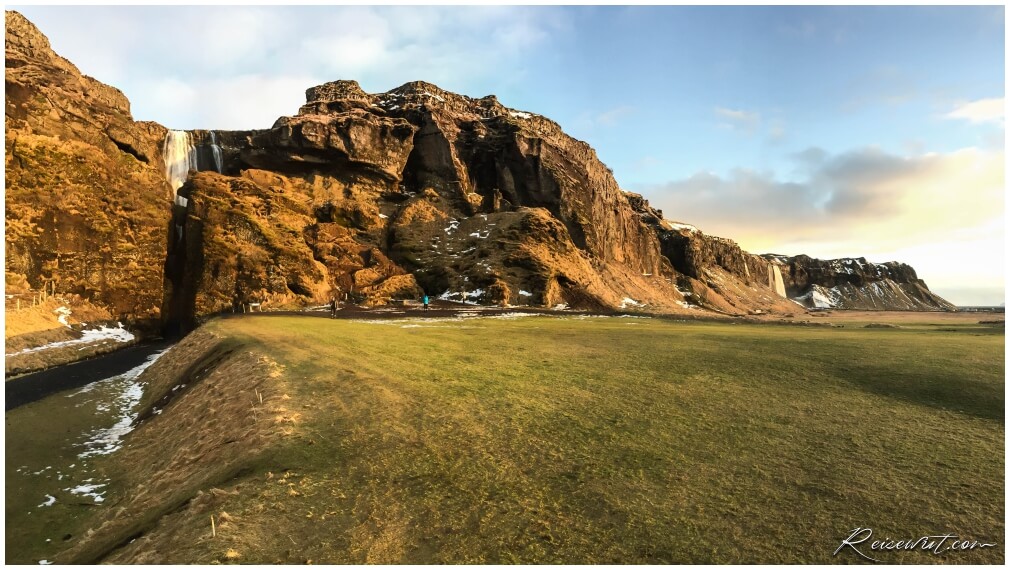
(416, 190)
(86, 199)
(856, 284)
(713, 272)
(370, 197)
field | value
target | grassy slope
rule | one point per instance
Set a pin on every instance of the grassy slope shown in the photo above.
(611, 440)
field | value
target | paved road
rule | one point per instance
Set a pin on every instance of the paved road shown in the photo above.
(32, 387)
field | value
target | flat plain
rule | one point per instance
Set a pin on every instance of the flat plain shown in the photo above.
(543, 439)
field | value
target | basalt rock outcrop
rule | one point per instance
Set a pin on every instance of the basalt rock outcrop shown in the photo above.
(86, 199)
(854, 283)
(412, 191)
(713, 272)
(368, 197)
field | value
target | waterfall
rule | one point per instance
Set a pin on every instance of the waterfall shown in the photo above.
(180, 157)
(775, 280)
(216, 152)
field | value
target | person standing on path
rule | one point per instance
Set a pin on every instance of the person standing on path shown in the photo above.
(425, 302)
(333, 308)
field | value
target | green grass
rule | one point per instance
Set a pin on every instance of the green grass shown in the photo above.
(43, 441)
(595, 440)
(626, 440)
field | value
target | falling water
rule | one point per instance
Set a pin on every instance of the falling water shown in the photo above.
(216, 152)
(180, 157)
(775, 279)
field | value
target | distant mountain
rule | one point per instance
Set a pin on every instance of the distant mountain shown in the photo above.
(854, 283)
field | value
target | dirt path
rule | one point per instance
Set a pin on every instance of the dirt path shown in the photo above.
(32, 387)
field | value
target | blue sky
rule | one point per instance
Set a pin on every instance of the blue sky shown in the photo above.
(831, 131)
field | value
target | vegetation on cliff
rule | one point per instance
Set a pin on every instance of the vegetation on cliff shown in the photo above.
(86, 201)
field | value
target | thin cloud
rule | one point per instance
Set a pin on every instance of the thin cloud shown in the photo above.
(860, 202)
(980, 111)
(473, 50)
(738, 119)
(886, 85)
(233, 103)
(777, 132)
(928, 210)
(752, 122)
(588, 122)
(613, 116)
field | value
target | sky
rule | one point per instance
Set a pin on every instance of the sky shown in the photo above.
(856, 131)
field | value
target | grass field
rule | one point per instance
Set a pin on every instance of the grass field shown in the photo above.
(613, 440)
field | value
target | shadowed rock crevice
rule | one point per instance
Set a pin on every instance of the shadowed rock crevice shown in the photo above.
(128, 149)
(183, 271)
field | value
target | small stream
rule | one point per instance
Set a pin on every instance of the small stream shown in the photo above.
(56, 479)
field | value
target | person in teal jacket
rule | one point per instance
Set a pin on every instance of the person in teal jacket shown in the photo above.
(426, 302)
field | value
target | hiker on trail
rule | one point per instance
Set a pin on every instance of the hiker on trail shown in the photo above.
(426, 302)
(333, 308)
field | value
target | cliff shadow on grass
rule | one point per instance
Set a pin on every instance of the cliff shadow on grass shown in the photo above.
(892, 372)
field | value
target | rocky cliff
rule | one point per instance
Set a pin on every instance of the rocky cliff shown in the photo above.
(715, 273)
(86, 198)
(416, 190)
(369, 197)
(856, 284)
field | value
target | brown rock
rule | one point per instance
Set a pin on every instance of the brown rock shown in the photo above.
(370, 196)
(87, 202)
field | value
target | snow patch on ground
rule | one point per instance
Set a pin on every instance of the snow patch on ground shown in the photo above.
(525, 293)
(104, 441)
(451, 322)
(50, 501)
(511, 316)
(448, 295)
(629, 302)
(89, 490)
(118, 334)
(520, 114)
(475, 294)
(63, 313)
(464, 296)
